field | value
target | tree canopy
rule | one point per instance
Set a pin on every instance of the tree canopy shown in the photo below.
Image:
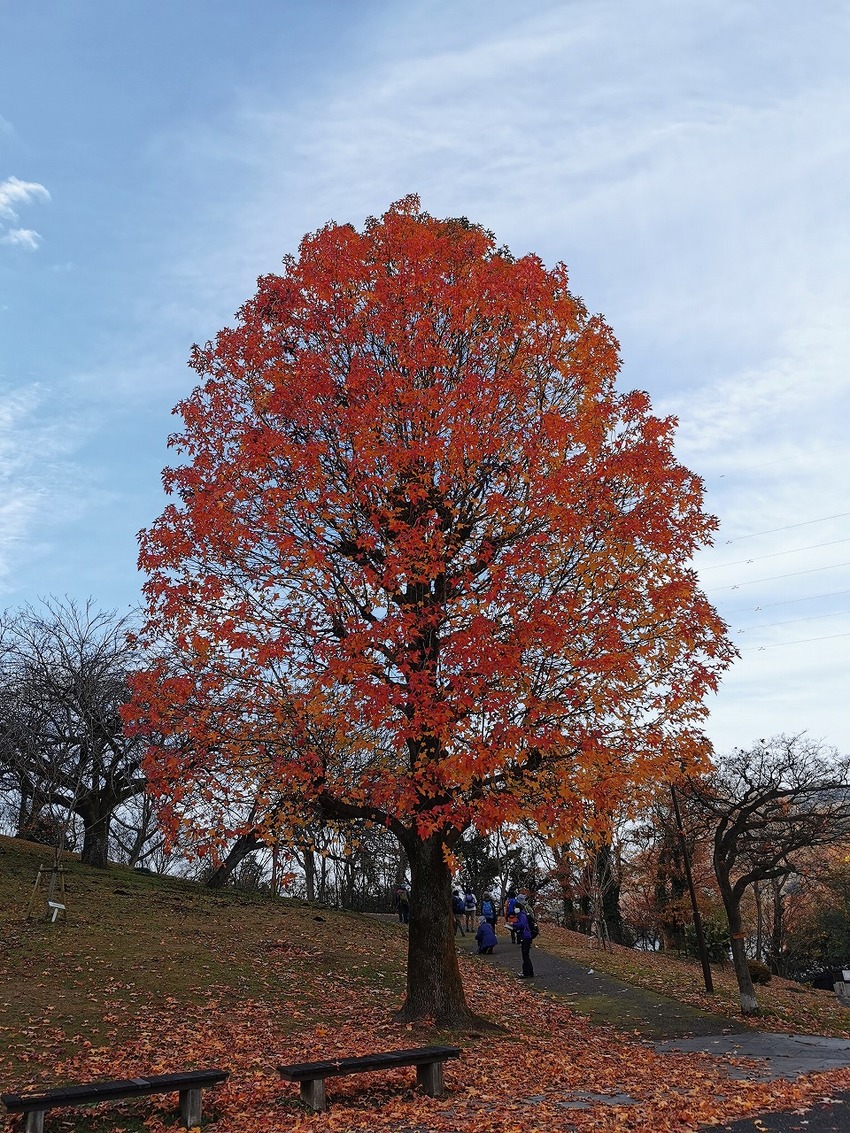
(425, 564)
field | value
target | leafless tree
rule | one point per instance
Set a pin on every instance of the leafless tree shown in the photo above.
(764, 807)
(63, 680)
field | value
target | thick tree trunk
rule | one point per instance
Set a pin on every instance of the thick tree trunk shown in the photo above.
(777, 933)
(610, 886)
(670, 889)
(434, 987)
(244, 845)
(732, 905)
(309, 874)
(749, 1004)
(95, 837)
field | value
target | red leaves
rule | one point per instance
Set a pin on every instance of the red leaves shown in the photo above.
(420, 532)
(550, 1070)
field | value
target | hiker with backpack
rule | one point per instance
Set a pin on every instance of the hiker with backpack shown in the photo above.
(458, 909)
(526, 929)
(488, 909)
(470, 906)
(510, 911)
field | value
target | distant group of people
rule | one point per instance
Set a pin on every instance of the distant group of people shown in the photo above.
(518, 917)
(516, 911)
(464, 908)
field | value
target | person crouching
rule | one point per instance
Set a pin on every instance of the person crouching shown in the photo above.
(485, 937)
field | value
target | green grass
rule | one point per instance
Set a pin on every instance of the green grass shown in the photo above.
(147, 960)
(134, 942)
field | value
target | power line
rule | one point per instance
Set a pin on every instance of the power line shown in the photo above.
(788, 527)
(792, 601)
(793, 621)
(800, 641)
(785, 459)
(776, 554)
(776, 577)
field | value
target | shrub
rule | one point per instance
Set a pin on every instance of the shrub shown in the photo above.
(759, 973)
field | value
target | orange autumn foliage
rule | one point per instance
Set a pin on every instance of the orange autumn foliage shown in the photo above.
(426, 565)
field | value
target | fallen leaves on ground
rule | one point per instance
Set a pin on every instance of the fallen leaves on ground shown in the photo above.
(551, 1070)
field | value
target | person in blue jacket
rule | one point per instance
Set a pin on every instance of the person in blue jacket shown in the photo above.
(523, 931)
(485, 937)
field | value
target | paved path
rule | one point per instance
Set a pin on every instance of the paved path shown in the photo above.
(608, 1000)
(829, 1115)
(676, 1026)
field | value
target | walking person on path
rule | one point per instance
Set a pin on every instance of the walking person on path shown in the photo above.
(510, 911)
(523, 930)
(470, 906)
(458, 910)
(488, 909)
(402, 901)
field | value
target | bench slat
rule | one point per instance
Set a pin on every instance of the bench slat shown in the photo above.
(307, 1071)
(104, 1091)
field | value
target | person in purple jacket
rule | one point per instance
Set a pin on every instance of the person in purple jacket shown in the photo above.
(523, 931)
(485, 937)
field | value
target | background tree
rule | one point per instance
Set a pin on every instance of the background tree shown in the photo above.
(491, 863)
(766, 806)
(63, 682)
(425, 566)
(136, 836)
(814, 916)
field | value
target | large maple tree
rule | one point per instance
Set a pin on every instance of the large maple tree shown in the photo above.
(425, 565)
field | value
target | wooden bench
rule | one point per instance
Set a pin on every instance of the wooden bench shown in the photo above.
(428, 1061)
(189, 1084)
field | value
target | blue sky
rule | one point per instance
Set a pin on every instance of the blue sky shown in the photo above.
(688, 161)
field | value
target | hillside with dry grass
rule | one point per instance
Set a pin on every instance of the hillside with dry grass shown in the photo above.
(150, 975)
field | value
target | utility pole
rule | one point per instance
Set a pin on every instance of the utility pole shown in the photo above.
(703, 951)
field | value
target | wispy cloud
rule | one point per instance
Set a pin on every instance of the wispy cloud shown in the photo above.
(21, 238)
(40, 483)
(13, 191)
(13, 194)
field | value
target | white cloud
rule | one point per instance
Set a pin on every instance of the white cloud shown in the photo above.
(13, 194)
(687, 161)
(15, 191)
(21, 238)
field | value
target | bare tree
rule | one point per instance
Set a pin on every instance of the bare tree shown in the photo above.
(136, 835)
(765, 806)
(63, 682)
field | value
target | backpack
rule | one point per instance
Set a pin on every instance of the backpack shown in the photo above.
(457, 904)
(469, 901)
(487, 909)
(533, 926)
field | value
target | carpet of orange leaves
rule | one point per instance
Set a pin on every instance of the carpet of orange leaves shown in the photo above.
(528, 1079)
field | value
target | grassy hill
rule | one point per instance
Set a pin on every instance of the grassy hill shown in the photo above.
(152, 974)
(134, 939)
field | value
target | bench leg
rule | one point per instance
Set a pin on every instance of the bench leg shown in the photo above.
(190, 1108)
(313, 1094)
(430, 1078)
(34, 1122)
